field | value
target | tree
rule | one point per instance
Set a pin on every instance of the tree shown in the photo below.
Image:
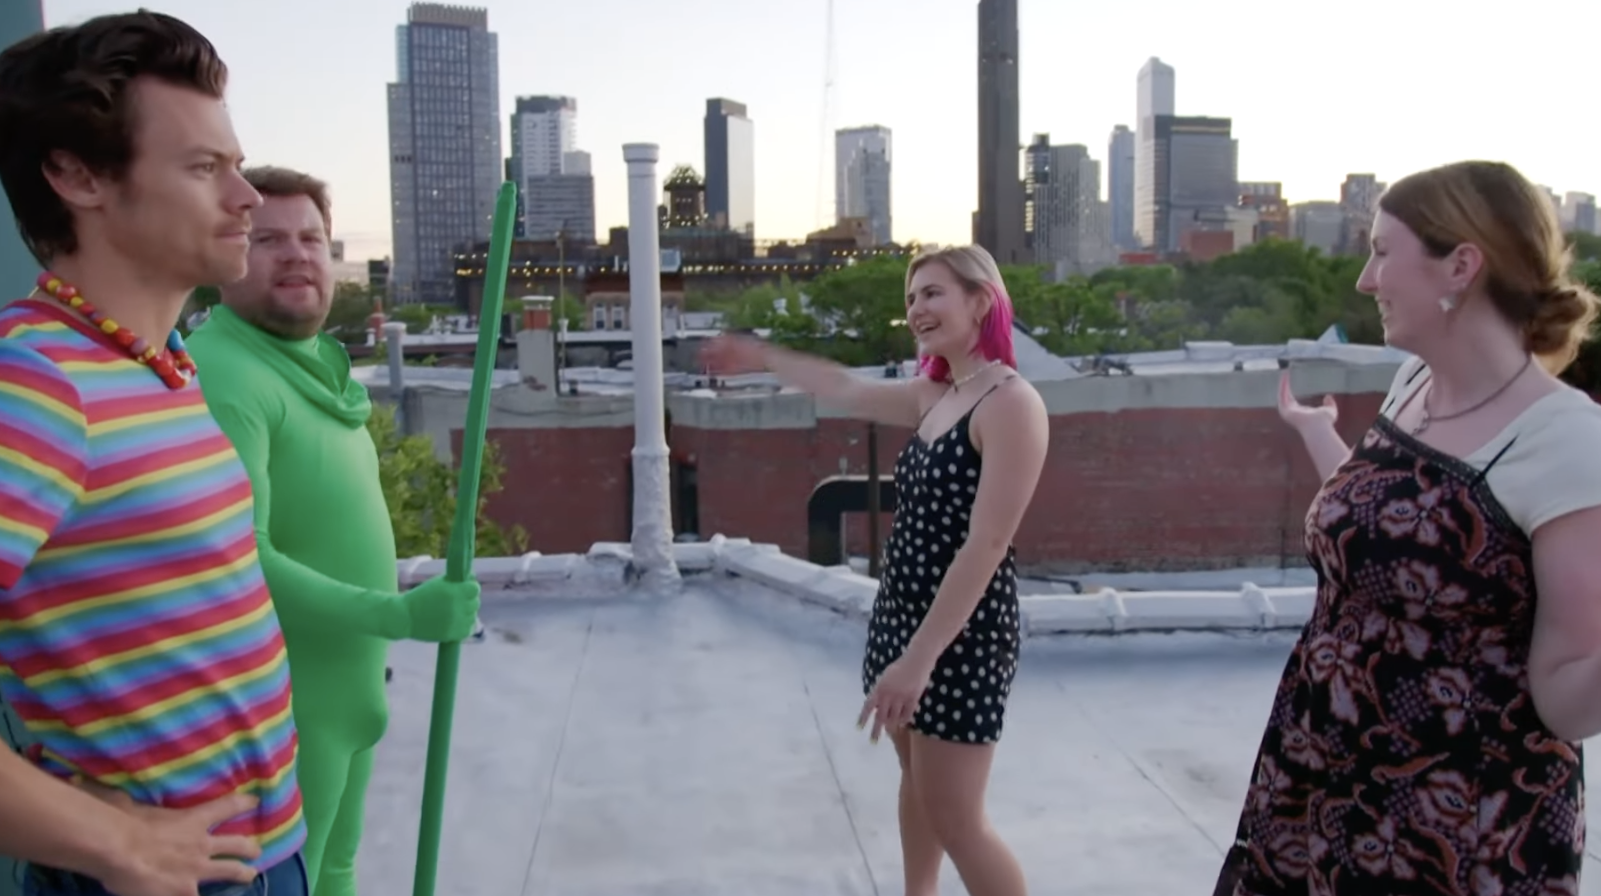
(864, 305)
(1586, 246)
(420, 490)
(417, 318)
(352, 304)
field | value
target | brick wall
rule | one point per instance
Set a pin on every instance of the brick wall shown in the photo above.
(589, 467)
(1142, 489)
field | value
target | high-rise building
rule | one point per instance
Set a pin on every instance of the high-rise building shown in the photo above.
(1359, 200)
(1068, 228)
(562, 204)
(444, 145)
(1193, 178)
(1120, 188)
(862, 178)
(1318, 224)
(1578, 214)
(1153, 97)
(998, 222)
(730, 166)
(555, 190)
(1266, 198)
(543, 128)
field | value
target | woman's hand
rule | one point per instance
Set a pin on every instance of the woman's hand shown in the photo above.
(1299, 415)
(895, 696)
(733, 353)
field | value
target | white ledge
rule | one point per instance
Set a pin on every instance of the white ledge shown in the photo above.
(838, 588)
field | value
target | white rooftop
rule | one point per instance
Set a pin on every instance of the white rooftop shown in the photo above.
(609, 743)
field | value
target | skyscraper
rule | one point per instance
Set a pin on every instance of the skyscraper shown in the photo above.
(1120, 188)
(862, 178)
(1068, 231)
(1154, 97)
(444, 145)
(1194, 178)
(542, 129)
(1578, 213)
(730, 166)
(998, 223)
(555, 190)
(1359, 200)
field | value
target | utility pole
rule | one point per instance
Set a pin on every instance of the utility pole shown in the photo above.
(561, 302)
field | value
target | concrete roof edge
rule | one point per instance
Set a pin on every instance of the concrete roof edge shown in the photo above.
(846, 592)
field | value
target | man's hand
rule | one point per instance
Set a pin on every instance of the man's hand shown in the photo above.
(171, 852)
(443, 611)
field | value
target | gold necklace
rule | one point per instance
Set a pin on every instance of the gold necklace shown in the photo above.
(957, 384)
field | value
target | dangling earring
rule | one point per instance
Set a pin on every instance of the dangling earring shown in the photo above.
(1447, 303)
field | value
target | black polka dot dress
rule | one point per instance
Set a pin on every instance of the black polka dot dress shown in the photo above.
(935, 485)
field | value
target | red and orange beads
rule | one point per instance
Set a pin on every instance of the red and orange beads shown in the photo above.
(175, 367)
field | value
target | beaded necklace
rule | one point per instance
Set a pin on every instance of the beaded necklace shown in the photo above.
(175, 367)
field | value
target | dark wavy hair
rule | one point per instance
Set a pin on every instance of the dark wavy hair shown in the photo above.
(68, 90)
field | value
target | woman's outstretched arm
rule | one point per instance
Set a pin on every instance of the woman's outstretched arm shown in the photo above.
(890, 402)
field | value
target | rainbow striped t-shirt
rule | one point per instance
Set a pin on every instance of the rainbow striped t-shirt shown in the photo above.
(138, 642)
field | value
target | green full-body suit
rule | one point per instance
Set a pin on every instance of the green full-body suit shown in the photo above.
(327, 546)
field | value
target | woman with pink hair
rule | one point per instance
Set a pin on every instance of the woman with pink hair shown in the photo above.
(943, 641)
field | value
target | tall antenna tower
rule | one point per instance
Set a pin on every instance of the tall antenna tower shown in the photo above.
(825, 150)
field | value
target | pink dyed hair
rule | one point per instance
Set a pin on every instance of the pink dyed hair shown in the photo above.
(975, 269)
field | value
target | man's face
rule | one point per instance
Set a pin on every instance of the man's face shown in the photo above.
(289, 286)
(182, 209)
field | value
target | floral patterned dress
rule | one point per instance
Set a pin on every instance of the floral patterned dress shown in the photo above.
(1403, 754)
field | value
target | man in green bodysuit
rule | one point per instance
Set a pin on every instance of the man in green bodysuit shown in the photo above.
(283, 393)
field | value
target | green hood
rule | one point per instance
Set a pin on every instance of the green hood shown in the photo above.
(318, 368)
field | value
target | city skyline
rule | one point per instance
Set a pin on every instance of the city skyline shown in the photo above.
(1302, 131)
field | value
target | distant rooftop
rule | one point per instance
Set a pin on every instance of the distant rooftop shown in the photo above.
(1034, 362)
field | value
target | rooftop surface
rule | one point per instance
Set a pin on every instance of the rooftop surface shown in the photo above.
(608, 743)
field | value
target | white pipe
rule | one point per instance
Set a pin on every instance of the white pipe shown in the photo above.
(652, 539)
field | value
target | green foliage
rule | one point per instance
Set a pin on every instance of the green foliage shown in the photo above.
(1268, 292)
(352, 304)
(867, 305)
(204, 297)
(417, 318)
(1586, 246)
(420, 490)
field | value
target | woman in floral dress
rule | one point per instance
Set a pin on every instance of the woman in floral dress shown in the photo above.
(1425, 735)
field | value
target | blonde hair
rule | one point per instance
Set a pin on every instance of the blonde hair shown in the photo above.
(976, 270)
(1527, 263)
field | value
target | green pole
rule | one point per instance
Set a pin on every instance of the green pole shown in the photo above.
(463, 537)
(18, 19)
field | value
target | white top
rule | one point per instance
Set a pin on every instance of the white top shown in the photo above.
(1553, 469)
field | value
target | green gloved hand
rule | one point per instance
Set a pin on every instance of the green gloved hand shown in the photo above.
(442, 611)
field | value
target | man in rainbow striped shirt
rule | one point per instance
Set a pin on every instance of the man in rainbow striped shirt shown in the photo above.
(138, 642)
